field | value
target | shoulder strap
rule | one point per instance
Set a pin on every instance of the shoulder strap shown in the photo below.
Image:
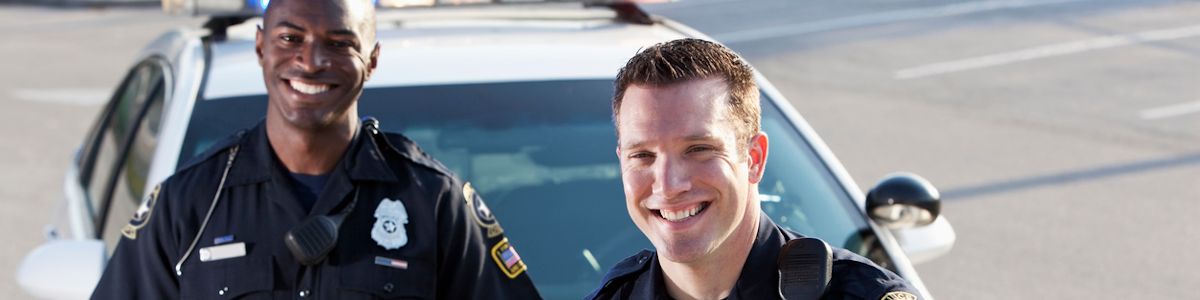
(624, 271)
(408, 149)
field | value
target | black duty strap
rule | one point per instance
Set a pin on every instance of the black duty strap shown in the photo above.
(805, 268)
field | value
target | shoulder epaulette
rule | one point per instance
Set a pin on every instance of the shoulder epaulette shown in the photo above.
(219, 147)
(408, 149)
(626, 268)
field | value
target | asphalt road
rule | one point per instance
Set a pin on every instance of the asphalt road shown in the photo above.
(1064, 134)
(59, 66)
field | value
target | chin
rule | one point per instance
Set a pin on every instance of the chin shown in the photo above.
(311, 119)
(682, 251)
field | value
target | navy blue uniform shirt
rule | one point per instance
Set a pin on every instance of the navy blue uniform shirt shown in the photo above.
(415, 231)
(854, 277)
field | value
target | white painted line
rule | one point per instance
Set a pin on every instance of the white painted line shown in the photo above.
(878, 18)
(1170, 111)
(1052, 50)
(74, 96)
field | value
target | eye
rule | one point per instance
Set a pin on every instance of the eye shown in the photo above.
(289, 38)
(700, 148)
(342, 44)
(641, 155)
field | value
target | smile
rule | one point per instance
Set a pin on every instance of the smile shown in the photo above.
(682, 214)
(309, 88)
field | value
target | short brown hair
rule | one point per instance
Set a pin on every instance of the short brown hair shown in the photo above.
(683, 60)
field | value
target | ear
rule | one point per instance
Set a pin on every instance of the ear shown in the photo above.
(259, 39)
(758, 156)
(372, 62)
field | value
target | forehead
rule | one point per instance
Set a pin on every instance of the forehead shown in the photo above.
(678, 101)
(697, 107)
(335, 14)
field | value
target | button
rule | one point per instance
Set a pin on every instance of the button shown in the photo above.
(388, 287)
(222, 291)
(304, 293)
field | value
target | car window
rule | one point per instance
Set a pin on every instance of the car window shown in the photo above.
(541, 155)
(125, 142)
(131, 177)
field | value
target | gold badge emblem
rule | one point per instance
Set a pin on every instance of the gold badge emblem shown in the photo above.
(141, 216)
(899, 296)
(480, 212)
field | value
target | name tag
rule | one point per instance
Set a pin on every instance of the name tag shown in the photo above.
(223, 251)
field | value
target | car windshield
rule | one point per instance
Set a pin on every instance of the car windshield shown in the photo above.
(542, 155)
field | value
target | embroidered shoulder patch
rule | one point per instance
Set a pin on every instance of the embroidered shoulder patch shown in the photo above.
(899, 296)
(480, 212)
(507, 259)
(142, 215)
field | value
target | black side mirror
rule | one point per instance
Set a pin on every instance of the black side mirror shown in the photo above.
(903, 200)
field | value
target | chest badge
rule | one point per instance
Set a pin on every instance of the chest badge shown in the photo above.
(390, 218)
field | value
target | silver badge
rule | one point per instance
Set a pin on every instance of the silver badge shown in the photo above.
(390, 218)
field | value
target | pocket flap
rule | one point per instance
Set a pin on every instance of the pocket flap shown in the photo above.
(227, 278)
(379, 278)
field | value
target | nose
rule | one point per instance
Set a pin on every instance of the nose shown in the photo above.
(671, 178)
(312, 58)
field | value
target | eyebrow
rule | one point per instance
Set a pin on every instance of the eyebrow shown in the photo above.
(342, 31)
(289, 25)
(689, 138)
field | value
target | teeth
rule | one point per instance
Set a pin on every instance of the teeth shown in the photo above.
(309, 88)
(679, 215)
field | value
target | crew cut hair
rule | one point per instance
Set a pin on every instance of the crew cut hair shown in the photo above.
(683, 60)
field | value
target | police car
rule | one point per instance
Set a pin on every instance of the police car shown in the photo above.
(514, 98)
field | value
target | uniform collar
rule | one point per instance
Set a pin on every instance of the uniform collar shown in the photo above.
(256, 161)
(651, 285)
(760, 273)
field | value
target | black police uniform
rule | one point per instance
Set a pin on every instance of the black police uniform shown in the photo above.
(441, 243)
(854, 277)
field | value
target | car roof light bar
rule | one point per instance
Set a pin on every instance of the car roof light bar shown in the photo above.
(251, 8)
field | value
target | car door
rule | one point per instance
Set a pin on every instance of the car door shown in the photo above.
(116, 158)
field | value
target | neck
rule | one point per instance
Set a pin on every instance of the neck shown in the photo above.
(310, 151)
(714, 276)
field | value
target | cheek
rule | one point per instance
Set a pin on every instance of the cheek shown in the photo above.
(637, 186)
(727, 178)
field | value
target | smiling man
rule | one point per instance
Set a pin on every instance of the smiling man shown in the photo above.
(692, 154)
(312, 202)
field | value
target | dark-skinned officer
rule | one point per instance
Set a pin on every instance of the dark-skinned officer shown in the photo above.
(312, 203)
(692, 155)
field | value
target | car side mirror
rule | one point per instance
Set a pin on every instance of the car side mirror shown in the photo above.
(903, 200)
(62, 269)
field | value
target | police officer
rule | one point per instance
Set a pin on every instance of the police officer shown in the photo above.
(311, 204)
(691, 154)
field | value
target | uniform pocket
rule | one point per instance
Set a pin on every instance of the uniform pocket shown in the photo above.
(237, 278)
(385, 278)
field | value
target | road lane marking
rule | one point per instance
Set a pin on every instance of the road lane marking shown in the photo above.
(1170, 111)
(878, 18)
(74, 96)
(1069, 177)
(1046, 51)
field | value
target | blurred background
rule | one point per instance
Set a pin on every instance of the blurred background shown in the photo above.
(1063, 134)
